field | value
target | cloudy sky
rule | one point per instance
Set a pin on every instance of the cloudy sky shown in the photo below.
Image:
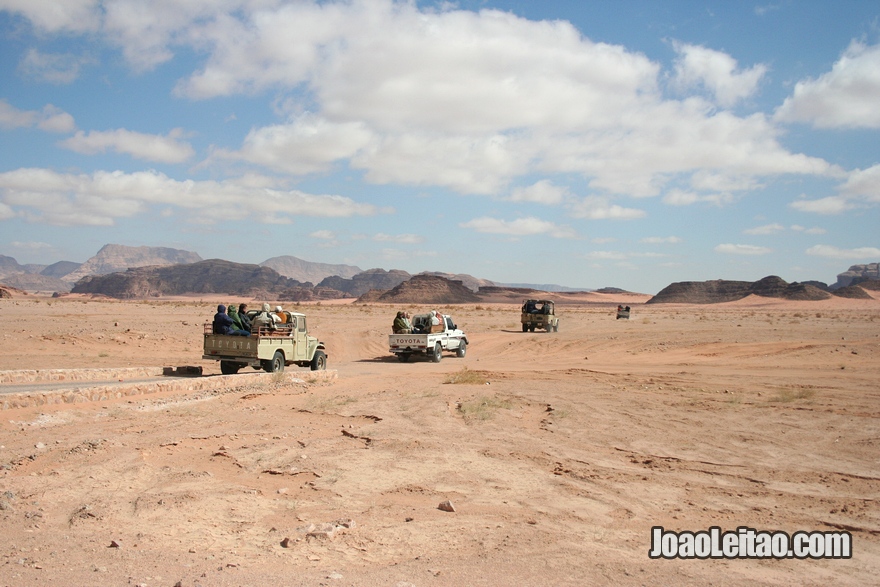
(589, 144)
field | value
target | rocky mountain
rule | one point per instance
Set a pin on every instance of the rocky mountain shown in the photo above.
(114, 258)
(9, 266)
(469, 281)
(426, 289)
(60, 269)
(35, 282)
(211, 276)
(719, 290)
(857, 273)
(363, 282)
(296, 268)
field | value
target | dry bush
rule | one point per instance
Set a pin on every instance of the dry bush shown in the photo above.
(468, 377)
(483, 408)
(789, 395)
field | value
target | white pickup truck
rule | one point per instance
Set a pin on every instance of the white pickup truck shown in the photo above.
(446, 337)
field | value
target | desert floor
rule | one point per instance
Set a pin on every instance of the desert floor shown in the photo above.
(559, 455)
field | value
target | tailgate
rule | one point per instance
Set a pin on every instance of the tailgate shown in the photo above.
(222, 345)
(407, 341)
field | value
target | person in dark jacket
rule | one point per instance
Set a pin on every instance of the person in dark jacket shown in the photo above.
(223, 323)
(242, 315)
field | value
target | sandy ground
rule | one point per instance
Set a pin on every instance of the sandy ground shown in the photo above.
(558, 459)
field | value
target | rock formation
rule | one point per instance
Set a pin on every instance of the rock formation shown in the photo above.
(367, 280)
(211, 276)
(719, 290)
(301, 270)
(114, 258)
(857, 273)
(424, 289)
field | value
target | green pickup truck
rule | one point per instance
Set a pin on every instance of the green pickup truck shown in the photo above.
(270, 349)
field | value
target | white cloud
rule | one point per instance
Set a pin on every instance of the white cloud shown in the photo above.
(766, 229)
(161, 148)
(6, 212)
(827, 205)
(473, 100)
(731, 249)
(814, 230)
(717, 72)
(861, 253)
(323, 234)
(542, 192)
(845, 97)
(51, 68)
(49, 119)
(77, 16)
(410, 239)
(98, 199)
(863, 184)
(596, 208)
(678, 197)
(307, 144)
(470, 101)
(519, 227)
(660, 240)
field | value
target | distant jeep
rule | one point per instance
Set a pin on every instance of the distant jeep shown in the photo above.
(539, 314)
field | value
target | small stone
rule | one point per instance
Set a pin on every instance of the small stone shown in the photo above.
(408, 520)
(446, 506)
(115, 544)
(286, 543)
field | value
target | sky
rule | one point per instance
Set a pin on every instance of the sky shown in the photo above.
(591, 144)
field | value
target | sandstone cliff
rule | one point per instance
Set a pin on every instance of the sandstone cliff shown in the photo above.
(366, 280)
(720, 290)
(428, 290)
(301, 270)
(211, 276)
(114, 258)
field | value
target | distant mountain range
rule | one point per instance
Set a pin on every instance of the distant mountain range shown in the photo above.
(130, 272)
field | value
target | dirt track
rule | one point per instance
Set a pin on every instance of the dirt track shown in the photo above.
(760, 414)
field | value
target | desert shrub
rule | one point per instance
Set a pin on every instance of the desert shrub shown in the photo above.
(482, 408)
(467, 376)
(790, 395)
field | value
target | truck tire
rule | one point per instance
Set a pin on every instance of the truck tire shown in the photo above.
(437, 354)
(404, 357)
(525, 327)
(556, 327)
(319, 361)
(531, 328)
(229, 367)
(461, 351)
(276, 365)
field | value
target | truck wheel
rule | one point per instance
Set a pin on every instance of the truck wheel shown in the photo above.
(438, 353)
(525, 327)
(404, 357)
(276, 365)
(319, 361)
(532, 328)
(229, 368)
(556, 327)
(461, 350)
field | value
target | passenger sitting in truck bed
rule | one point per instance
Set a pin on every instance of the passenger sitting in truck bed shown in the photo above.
(242, 315)
(236, 319)
(223, 324)
(278, 316)
(263, 320)
(530, 307)
(436, 321)
(399, 325)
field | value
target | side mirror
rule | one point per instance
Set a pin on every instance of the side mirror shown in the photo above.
(454, 327)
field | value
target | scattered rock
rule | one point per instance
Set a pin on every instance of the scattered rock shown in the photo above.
(446, 506)
(115, 544)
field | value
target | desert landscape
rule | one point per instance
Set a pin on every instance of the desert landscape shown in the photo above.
(557, 452)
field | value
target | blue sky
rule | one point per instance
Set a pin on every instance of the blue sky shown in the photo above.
(590, 144)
